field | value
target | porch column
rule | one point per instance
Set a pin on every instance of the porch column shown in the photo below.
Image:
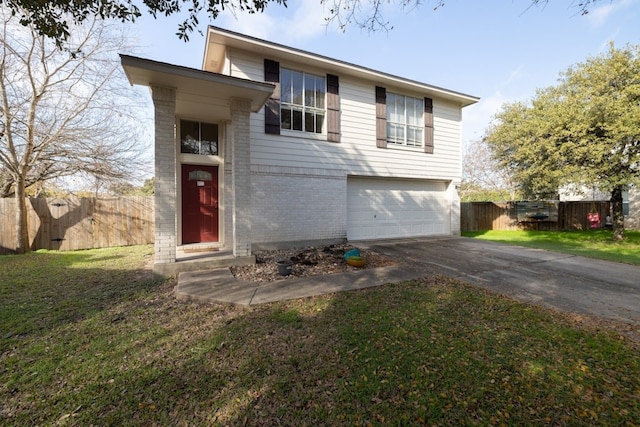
(241, 176)
(164, 102)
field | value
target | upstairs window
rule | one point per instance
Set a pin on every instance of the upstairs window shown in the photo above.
(198, 138)
(302, 101)
(405, 120)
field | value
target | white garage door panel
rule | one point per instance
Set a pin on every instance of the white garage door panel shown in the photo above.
(378, 209)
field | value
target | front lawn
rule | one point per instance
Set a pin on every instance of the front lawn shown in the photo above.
(589, 243)
(90, 338)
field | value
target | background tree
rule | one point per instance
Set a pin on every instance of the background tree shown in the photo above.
(128, 189)
(483, 179)
(54, 18)
(60, 113)
(584, 131)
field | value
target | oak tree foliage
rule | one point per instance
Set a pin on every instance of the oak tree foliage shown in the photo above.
(584, 131)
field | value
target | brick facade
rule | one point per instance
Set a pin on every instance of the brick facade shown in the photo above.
(297, 204)
(164, 101)
(240, 176)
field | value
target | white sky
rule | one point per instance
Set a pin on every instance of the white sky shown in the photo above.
(500, 51)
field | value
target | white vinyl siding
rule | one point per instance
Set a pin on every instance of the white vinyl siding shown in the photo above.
(246, 67)
(356, 154)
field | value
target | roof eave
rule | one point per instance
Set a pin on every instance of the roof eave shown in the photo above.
(241, 41)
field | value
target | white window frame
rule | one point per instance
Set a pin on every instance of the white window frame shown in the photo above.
(405, 120)
(303, 107)
(199, 141)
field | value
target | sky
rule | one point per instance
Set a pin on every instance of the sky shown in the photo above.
(500, 51)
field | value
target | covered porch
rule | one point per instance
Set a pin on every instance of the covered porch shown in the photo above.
(219, 180)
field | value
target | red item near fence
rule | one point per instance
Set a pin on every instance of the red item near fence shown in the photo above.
(594, 219)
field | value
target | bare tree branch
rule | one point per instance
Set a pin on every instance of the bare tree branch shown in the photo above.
(63, 112)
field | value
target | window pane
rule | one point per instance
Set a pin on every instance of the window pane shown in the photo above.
(189, 137)
(309, 91)
(320, 90)
(396, 115)
(319, 122)
(411, 136)
(400, 134)
(209, 139)
(395, 133)
(391, 106)
(417, 138)
(297, 120)
(285, 86)
(309, 122)
(411, 111)
(209, 148)
(418, 112)
(285, 118)
(296, 87)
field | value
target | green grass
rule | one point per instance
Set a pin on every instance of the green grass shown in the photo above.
(90, 338)
(591, 243)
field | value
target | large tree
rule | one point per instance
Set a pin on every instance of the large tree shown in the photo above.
(53, 18)
(483, 178)
(60, 114)
(585, 131)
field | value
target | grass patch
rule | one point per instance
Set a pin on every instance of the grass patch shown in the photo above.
(591, 243)
(92, 339)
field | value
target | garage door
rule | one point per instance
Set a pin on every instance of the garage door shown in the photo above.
(386, 208)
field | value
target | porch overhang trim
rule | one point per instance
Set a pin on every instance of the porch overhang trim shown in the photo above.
(195, 86)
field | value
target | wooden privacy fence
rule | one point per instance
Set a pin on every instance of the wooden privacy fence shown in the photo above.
(80, 223)
(481, 216)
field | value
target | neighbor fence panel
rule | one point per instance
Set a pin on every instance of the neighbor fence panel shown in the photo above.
(482, 216)
(487, 216)
(79, 223)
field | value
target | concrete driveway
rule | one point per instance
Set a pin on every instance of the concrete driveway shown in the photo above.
(564, 282)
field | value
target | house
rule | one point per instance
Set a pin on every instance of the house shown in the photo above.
(271, 146)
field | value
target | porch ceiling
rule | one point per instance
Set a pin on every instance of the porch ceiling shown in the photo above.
(200, 95)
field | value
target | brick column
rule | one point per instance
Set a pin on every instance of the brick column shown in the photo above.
(241, 175)
(164, 101)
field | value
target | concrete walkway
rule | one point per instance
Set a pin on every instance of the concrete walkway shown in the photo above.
(220, 286)
(562, 282)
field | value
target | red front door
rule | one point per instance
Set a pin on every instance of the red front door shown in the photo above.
(199, 204)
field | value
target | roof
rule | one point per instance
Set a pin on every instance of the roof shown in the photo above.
(196, 89)
(218, 40)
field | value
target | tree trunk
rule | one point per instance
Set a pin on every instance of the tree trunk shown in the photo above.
(618, 214)
(22, 229)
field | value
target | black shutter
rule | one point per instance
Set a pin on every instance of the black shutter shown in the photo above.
(272, 107)
(333, 108)
(381, 117)
(428, 125)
